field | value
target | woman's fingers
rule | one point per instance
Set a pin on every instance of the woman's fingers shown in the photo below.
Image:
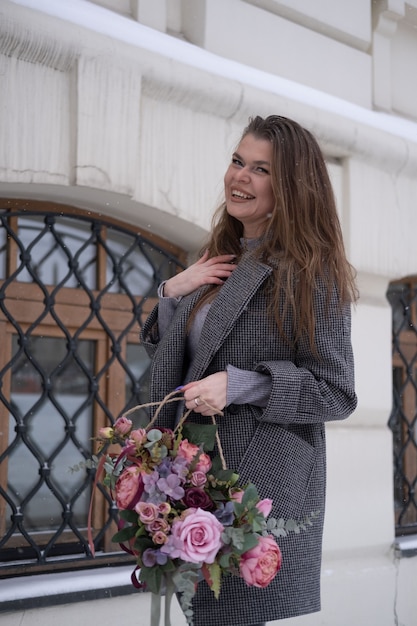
(205, 271)
(208, 395)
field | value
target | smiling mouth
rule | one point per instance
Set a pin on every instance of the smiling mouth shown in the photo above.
(240, 194)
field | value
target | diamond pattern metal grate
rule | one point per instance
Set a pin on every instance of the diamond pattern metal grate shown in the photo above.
(73, 292)
(403, 420)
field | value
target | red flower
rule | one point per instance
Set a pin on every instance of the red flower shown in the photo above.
(198, 499)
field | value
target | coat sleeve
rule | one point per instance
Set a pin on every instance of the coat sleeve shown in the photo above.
(315, 387)
(149, 334)
(157, 323)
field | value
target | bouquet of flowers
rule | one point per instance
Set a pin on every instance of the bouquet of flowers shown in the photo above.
(183, 514)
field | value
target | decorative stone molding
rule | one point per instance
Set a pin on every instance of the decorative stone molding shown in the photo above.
(386, 15)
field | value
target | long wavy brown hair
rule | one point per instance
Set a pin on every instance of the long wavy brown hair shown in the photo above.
(303, 239)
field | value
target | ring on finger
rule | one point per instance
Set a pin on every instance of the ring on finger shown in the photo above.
(196, 401)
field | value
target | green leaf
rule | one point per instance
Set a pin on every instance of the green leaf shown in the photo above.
(227, 476)
(237, 537)
(200, 434)
(224, 560)
(257, 526)
(250, 496)
(154, 435)
(250, 542)
(152, 576)
(128, 515)
(124, 535)
(169, 566)
(212, 574)
(291, 525)
(142, 543)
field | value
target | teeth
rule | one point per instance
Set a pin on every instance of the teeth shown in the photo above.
(240, 194)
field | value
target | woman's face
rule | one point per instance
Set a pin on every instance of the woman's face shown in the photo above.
(247, 184)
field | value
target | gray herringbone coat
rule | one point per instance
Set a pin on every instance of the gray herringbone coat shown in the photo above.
(281, 448)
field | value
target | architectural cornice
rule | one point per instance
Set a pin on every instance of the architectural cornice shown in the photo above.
(53, 33)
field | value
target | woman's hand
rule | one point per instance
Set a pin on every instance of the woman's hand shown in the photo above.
(205, 271)
(211, 391)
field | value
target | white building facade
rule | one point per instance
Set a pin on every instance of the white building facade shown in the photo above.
(129, 110)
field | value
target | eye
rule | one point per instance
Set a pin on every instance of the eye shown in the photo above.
(262, 170)
(237, 161)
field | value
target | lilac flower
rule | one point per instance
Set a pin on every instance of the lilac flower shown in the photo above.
(225, 513)
(172, 547)
(165, 467)
(150, 480)
(171, 486)
(153, 557)
(180, 466)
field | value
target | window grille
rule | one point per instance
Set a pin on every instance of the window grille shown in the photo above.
(402, 296)
(74, 290)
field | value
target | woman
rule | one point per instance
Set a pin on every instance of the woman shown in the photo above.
(259, 328)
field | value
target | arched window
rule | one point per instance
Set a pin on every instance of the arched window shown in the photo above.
(402, 296)
(74, 289)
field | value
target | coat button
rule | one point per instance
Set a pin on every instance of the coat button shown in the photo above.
(233, 409)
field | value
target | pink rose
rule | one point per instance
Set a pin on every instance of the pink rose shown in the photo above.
(204, 463)
(158, 525)
(159, 538)
(237, 496)
(264, 506)
(147, 511)
(261, 564)
(197, 537)
(198, 478)
(138, 436)
(122, 425)
(164, 508)
(187, 450)
(129, 487)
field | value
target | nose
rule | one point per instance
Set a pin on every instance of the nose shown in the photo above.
(242, 174)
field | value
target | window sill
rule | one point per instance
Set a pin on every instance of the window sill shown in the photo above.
(405, 547)
(38, 591)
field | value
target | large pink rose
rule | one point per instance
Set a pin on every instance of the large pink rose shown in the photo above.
(129, 487)
(261, 564)
(197, 536)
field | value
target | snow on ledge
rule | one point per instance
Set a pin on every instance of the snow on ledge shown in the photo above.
(40, 585)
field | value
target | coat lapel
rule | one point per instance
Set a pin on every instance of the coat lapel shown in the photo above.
(228, 305)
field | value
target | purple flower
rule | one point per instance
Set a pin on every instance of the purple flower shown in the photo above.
(171, 486)
(180, 467)
(225, 513)
(153, 557)
(165, 467)
(172, 547)
(150, 480)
